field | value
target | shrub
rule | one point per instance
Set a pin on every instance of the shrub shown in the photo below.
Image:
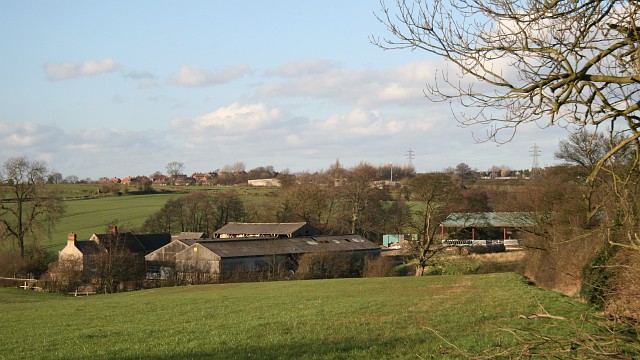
(379, 266)
(327, 265)
(625, 286)
(404, 269)
(63, 276)
(596, 286)
(35, 262)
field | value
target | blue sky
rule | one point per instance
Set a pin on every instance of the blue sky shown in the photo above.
(124, 87)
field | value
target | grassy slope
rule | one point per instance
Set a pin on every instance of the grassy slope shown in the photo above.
(88, 216)
(328, 319)
(86, 213)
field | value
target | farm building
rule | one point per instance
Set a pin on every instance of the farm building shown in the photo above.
(265, 182)
(472, 228)
(136, 245)
(234, 229)
(225, 256)
(189, 236)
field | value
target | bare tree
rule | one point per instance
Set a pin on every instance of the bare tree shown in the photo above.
(567, 62)
(360, 201)
(27, 209)
(71, 179)
(174, 169)
(309, 202)
(434, 196)
(54, 178)
(236, 167)
(463, 173)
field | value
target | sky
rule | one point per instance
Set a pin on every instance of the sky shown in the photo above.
(122, 88)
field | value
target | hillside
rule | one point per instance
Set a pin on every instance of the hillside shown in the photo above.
(399, 318)
(88, 213)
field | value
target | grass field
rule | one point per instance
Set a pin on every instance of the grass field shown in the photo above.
(380, 318)
(88, 213)
(87, 216)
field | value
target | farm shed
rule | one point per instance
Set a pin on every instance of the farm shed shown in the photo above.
(463, 228)
(239, 230)
(167, 253)
(220, 256)
(162, 261)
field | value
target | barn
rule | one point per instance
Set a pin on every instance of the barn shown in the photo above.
(254, 255)
(236, 229)
(485, 227)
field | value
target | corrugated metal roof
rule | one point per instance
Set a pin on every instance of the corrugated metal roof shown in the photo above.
(280, 246)
(190, 235)
(489, 219)
(234, 228)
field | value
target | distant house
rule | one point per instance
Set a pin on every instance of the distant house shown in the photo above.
(183, 180)
(133, 180)
(205, 179)
(471, 228)
(235, 229)
(225, 256)
(159, 179)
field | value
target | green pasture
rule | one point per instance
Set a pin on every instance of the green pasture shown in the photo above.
(88, 216)
(379, 318)
(88, 212)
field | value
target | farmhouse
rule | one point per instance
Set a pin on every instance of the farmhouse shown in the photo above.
(225, 256)
(136, 245)
(480, 228)
(237, 230)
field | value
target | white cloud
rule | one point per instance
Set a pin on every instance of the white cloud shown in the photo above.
(400, 85)
(194, 76)
(87, 68)
(18, 136)
(234, 121)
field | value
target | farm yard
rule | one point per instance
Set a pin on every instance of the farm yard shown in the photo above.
(393, 318)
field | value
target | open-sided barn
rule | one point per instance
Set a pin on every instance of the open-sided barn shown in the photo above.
(469, 228)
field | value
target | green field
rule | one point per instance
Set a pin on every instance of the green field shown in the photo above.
(88, 213)
(88, 216)
(393, 318)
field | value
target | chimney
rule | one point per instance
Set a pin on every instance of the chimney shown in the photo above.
(113, 229)
(71, 239)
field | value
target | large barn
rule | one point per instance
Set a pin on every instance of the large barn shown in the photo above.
(225, 256)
